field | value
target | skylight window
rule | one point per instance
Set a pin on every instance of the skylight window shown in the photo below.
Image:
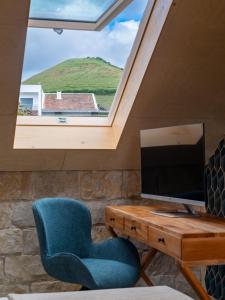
(74, 14)
(70, 10)
(77, 73)
(112, 48)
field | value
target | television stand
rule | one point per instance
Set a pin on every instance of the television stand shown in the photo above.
(177, 213)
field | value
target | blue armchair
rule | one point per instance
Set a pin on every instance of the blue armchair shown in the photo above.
(68, 253)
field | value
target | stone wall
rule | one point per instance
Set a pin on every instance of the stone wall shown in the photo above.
(20, 267)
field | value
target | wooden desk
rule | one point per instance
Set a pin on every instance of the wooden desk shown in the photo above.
(190, 240)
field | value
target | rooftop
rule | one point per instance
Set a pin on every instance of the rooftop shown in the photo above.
(70, 102)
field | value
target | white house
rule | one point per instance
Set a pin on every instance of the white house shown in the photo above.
(31, 97)
(39, 103)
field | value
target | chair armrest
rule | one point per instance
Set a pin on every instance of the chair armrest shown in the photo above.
(68, 267)
(119, 249)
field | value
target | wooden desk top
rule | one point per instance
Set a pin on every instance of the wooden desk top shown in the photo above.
(184, 227)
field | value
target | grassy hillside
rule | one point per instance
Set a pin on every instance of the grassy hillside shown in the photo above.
(81, 75)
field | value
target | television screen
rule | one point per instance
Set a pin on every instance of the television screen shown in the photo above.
(172, 162)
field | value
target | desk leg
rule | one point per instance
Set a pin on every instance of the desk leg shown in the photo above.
(145, 263)
(112, 232)
(193, 281)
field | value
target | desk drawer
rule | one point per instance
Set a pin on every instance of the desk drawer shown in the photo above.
(114, 220)
(136, 230)
(207, 249)
(164, 241)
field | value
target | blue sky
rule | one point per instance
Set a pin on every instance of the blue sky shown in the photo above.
(45, 48)
(87, 10)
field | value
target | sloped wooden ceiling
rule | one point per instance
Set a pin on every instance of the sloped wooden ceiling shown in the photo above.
(184, 83)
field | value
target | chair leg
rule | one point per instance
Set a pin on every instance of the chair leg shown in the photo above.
(83, 288)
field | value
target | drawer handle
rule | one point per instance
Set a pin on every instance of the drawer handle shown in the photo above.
(133, 228)
(161, 240)
(112, 219)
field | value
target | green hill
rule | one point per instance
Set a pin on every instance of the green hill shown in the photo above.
(81, 75)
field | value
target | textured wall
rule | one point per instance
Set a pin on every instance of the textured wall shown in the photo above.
(20, 267)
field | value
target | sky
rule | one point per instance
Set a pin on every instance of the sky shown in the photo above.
(45, 48)
(70, 9)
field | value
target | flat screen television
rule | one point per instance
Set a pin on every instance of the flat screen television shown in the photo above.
(172, 164)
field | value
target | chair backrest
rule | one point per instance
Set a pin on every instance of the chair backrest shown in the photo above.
(63, 225)
(215, 179)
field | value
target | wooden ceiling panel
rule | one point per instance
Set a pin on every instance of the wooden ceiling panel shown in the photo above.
(7, 131)
(20, 160)
(188, 66)
(32, 160)
(13, 20)
(14, 12)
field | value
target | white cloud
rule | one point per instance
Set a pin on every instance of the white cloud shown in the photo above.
(70, 9)
(83, 9)
(45, 48)
(124, 32)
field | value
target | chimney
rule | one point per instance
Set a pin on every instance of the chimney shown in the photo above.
(59, 96)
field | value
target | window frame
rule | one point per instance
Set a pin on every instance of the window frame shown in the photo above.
(96, 121)
(96, 133)
(101, 22)
(25, 105)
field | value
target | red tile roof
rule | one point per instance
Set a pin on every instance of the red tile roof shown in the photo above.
(70, 102)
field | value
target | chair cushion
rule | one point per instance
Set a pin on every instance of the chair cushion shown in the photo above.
(63, 225)
(105, 273)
